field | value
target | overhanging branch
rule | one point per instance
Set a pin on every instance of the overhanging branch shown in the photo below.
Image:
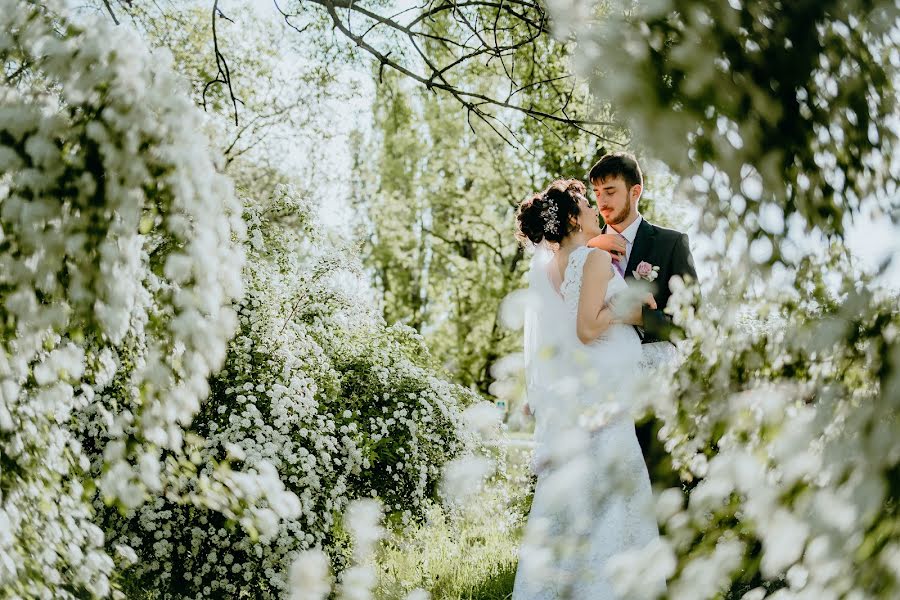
(474, 32)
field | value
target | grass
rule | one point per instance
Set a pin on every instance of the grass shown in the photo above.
(468, 552)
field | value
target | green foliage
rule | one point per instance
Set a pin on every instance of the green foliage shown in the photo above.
(438, 189)
(768, 109)
(439, 206)
(438, 218)
(468, 552)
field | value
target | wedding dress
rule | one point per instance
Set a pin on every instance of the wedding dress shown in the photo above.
(593, 499)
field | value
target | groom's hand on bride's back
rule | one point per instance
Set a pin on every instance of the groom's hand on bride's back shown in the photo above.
(630, 310)
(612, 243)
(637, 315)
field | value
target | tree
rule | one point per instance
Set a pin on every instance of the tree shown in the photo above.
(269, 104)
(440, 214)
(508, 36)
(440, 208)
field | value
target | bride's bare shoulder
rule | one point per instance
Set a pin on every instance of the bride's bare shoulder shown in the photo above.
(597, 266)
(599, 260)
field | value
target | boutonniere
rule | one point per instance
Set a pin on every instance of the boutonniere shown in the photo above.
(646, 271)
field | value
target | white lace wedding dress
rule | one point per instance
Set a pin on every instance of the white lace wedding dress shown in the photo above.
(593, 497)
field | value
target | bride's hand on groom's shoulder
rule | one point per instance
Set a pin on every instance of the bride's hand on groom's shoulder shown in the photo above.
(610, 242)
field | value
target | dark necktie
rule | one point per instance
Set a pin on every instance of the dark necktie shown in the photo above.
(619, 261)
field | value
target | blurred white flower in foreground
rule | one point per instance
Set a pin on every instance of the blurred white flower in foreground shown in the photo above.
(363, 521)
(485, 418)
(309, 577)
(464, 477)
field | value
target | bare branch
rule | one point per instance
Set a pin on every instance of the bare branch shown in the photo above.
(224, 74)
(287, 19)
(458, 243)
(473, 101)
(110, 10)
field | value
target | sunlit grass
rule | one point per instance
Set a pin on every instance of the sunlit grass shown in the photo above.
(469, 553)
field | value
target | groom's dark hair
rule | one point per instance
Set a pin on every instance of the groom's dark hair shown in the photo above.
(618, 164)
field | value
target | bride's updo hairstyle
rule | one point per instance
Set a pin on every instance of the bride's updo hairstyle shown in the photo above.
(550, 215)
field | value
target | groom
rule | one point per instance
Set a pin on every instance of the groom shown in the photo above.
(632, 240)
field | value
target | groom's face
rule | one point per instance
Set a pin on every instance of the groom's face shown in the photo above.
(614, 199)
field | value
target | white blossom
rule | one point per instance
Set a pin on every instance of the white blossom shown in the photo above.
(310, 579)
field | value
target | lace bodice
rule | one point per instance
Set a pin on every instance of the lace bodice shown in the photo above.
(601, 371)
(570, 289)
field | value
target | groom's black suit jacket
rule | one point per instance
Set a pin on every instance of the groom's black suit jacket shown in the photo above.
(669, 250)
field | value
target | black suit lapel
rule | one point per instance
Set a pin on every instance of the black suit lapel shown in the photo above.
(643, 242)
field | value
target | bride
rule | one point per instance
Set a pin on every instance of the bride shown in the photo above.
(593, 498)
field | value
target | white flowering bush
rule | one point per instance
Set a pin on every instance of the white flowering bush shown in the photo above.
(315, 385)
(119, 265)
(786, 435)
(782, 121)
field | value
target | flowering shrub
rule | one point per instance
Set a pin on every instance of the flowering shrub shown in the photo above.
(118, 270)
(121, 282)
(788, 432)
(315, 385)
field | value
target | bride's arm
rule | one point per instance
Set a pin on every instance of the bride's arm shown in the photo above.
(594, 317)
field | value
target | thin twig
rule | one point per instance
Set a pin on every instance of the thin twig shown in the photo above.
(110, 10)
(224, 74)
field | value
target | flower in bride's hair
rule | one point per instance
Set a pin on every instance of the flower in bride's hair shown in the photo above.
(550, 215)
